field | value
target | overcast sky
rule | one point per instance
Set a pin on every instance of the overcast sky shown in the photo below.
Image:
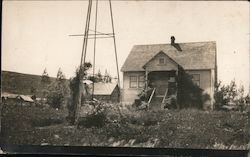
(35, 34)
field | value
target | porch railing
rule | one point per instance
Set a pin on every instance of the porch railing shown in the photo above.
(151, 96)
(164, 98)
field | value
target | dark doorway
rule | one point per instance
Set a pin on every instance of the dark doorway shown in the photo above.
(159, 80)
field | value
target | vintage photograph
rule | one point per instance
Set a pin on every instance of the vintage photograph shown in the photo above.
(108, 73)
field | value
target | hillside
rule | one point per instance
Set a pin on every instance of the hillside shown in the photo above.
(19, 83)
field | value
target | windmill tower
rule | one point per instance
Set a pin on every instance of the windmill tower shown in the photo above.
(87, 35)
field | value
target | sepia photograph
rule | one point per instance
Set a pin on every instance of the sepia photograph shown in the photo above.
(116, 73)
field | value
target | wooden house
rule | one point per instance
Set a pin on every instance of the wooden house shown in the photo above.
(157, 66)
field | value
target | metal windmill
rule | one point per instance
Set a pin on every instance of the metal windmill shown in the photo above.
(94, 35)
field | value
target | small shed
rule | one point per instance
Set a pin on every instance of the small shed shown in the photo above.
(26, 98)
(108, 92)
(17, 99)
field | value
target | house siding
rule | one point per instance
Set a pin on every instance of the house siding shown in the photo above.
(206, 83)
(115, 96)
(154, 65)
(130, 94)
(213, 83)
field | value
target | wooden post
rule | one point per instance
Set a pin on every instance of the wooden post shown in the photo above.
(82, 62)
(78, 103)
(146, 77)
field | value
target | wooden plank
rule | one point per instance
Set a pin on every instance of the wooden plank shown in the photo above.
(163, 100)
(165, 95)
(151, 96)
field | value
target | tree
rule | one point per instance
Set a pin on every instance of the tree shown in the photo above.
(229, 95)
(33, 92)
(45, 81)
(58, 91)
(60, 76)
(81, 73)
(99, 76)
(96, 78)
(107, 78)
(45, 77)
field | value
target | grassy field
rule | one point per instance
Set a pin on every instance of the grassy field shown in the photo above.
(127, 127)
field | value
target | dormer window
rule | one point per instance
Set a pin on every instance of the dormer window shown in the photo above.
(161, 61)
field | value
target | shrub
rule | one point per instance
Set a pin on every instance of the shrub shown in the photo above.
(55, 99)
(230, 95)
(144, 95)
(143, 118)
(189, 94)
(149, 118)
(58, 92)
(95, 118)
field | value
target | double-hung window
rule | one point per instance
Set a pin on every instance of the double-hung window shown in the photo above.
(136, 81)
(133, 81)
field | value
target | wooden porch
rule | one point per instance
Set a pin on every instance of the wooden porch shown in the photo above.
(161, 87)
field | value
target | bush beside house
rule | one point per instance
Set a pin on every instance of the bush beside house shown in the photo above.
(230, 97)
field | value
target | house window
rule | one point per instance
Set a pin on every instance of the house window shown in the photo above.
(136, 81)
(196, 79)
(133, 81)
(161, 61)
(141, 82)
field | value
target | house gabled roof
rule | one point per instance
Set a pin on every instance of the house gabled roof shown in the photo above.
(101, 88)
(161, 52)
(193, 55)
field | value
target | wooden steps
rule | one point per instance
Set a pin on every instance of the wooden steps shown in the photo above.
(155, 104)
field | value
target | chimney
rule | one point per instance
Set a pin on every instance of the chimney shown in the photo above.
(172, 40)
(176, 45)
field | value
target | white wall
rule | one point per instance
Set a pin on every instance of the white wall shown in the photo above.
(130, 94)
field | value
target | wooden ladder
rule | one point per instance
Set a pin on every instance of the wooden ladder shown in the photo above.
(151, 96)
